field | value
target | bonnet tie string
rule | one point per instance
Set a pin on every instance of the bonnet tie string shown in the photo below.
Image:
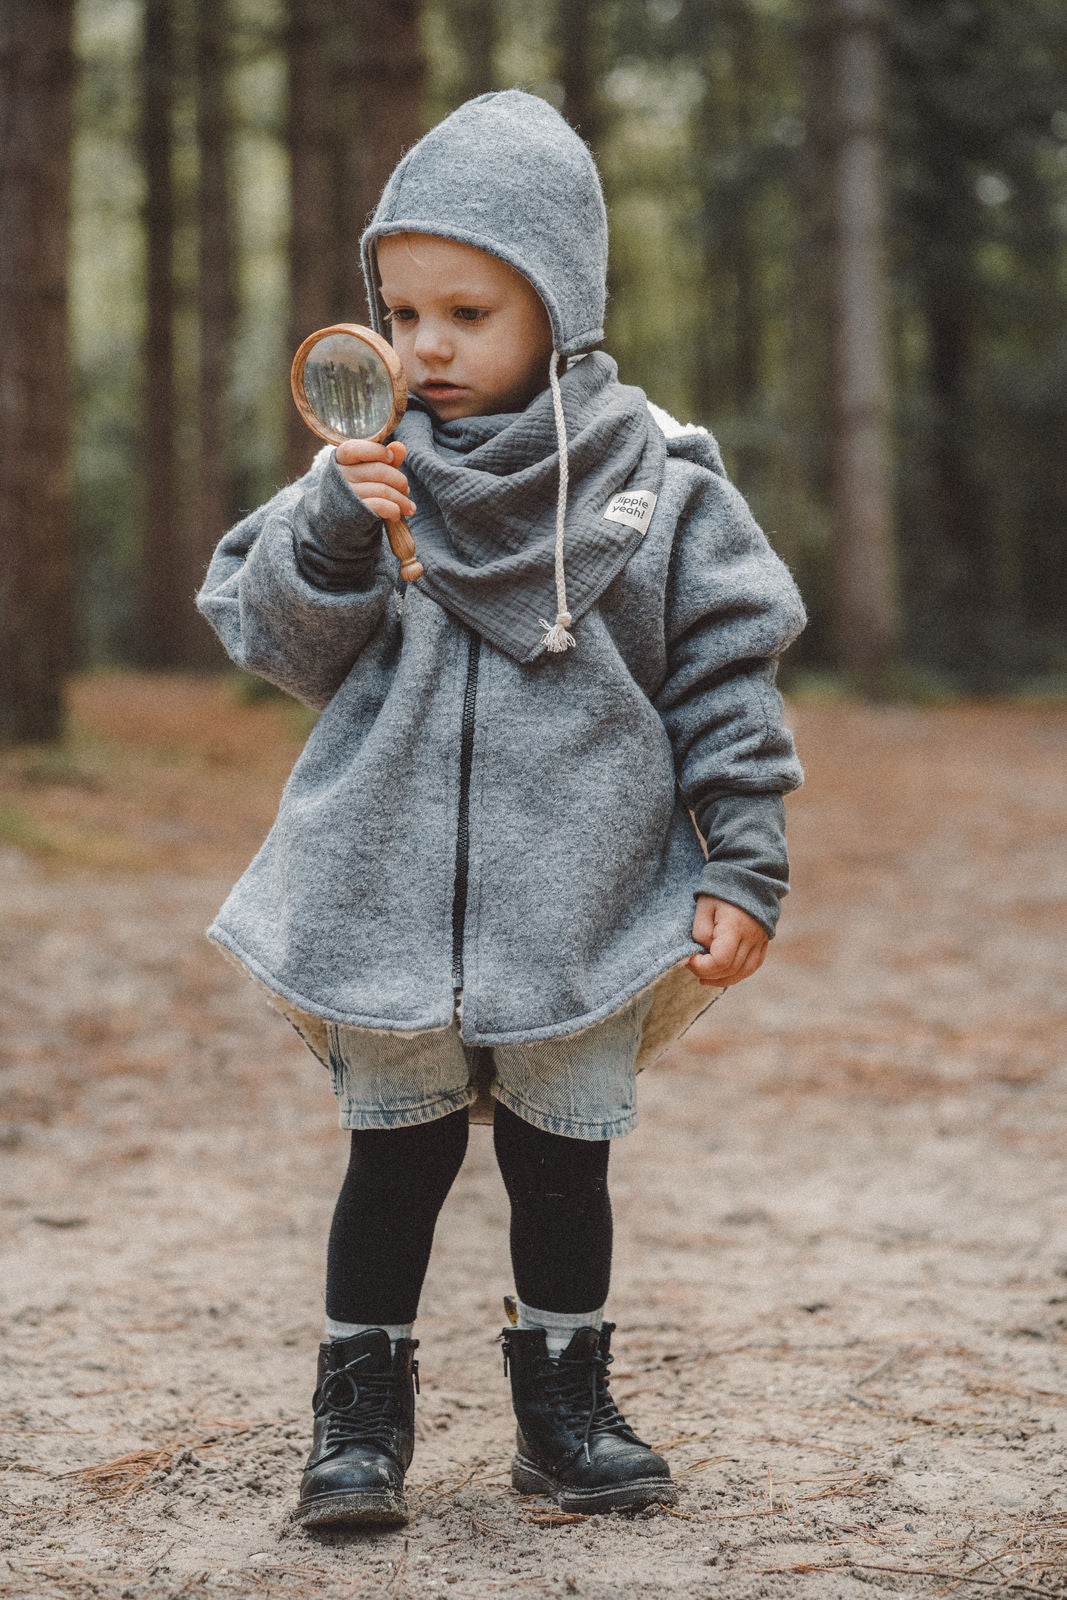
(557, 638)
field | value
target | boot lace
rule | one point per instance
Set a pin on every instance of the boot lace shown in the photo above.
(579, 1387)
(360, 1408)
(583, 1390)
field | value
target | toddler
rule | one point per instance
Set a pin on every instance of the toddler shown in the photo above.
(484, 894)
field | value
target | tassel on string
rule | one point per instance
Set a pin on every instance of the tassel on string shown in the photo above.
(557, 639)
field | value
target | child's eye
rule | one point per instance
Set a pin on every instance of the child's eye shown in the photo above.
(469, 314)
(400, 314)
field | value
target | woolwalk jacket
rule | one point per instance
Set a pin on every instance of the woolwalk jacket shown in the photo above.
(524, 831)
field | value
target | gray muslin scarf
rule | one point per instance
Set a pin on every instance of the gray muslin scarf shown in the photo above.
(486, 489)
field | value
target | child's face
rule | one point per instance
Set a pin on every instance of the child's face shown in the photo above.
(472, 334)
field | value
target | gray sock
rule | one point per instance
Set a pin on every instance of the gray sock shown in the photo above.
(559, 1326)
(345, 1330)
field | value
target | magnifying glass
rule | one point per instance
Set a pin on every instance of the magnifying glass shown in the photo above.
(348, 384)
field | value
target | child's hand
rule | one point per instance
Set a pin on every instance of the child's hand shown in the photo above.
(370, 470)
(736, 943)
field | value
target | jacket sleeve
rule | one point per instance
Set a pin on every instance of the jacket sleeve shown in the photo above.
(731, 609)
(296, 590)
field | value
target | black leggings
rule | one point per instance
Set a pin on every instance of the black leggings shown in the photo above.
(394, 1189)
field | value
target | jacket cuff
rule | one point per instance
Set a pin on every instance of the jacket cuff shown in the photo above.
(336, 539)
(747, 863)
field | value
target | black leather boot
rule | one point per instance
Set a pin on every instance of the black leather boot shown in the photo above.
(364, 1432)
(572, 1441)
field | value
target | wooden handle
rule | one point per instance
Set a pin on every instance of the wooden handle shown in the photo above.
(403, 547)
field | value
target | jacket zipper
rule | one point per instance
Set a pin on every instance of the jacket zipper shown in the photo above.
(463, 838)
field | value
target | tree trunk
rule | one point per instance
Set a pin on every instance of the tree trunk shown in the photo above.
(954, 546)
(216, 304)
(742, 248)
(712, 370)
(382, 77)
(36, 114)
(575, 34)
(163, 587)
(313, 252)
(961, 571)
(865, 625)
(813, 315)
(475, 29)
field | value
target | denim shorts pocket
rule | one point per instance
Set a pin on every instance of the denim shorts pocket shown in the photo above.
(393, 1079)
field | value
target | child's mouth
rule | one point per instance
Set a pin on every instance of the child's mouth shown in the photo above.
(439, 389)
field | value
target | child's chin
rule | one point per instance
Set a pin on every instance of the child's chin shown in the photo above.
(452, 410)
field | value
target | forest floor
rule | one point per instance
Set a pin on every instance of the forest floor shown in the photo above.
(841, 1270)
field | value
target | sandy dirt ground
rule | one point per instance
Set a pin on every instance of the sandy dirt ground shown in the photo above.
(841, 1269)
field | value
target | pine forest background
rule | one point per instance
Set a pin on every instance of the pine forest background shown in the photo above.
(839, 236)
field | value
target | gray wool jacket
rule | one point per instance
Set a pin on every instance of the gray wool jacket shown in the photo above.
(523, 831)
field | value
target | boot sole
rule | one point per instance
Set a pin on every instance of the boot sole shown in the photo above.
(351, 1510)
(528, 1478)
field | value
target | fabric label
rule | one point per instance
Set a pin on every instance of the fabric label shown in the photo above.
(634, 507)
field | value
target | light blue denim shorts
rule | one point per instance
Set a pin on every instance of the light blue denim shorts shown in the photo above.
(582, 1085)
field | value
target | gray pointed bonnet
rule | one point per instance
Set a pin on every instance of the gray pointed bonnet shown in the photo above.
(507, 174)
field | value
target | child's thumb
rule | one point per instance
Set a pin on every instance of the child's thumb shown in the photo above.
(704, 920)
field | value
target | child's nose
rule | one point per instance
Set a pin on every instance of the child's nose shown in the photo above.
(432, 342)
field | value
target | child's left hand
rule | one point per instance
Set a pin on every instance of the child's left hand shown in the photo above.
(736, 944)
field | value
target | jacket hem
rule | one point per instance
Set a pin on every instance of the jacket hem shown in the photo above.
(315, 1008)
(588, 1019)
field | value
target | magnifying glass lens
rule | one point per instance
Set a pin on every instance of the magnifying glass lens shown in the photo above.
(348, 386)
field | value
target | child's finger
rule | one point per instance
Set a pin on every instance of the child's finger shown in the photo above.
(375, 472)
(385, 491)
(375, 485)
(715, 964)
(723, 966)
(384, 508)
(384, 494)
(379, 500)
(355, 451)
(357, 477)
(725, 953)
(751, 962)
(713, 974)
(727, 957)
(704, 920)
(708, 971)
